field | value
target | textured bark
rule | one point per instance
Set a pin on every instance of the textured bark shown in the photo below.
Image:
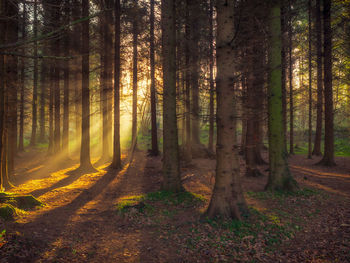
(194, 26)
(291, 102)
(328, 156)
(85, 161)
(116, 161)
(283, 68)
(227, 198)
(35, 79)
(188, 143)
(51, 96)
(318, 136)
(22, 85)
(43, 93)
(66, 83)
(171, 164)
(11, 78)
(155, 150)
(211, 79)
(280, 177)
(310, 83)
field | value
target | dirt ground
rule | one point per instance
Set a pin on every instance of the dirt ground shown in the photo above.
(79, 222)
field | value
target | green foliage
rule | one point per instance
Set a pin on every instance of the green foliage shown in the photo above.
(280, 195)
(23, 202)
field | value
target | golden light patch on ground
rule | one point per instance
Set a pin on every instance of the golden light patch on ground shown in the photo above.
(35, 169)
(320, 173)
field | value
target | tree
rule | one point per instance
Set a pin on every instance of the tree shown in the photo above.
(280, 177)
(310, 85)
(211, 79)
(134, 76)
(85, 162)
(171, 165)
(35, 78)
(227, 198)
(318, 136)
(291, 98)
(116, 162)
(328, 157)
(154, 150)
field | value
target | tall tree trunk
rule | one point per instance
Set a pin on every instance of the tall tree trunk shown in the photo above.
(134, 78)
(211, 79)
(318, 136)
(291, 101)
(171, 162)
(35, 78)
(66, 68)
(188, 143)
(51, 96)
(43, 91)
(194, 67)
(328, 157)
(280, 177)
(85, 161)
(23, 77)
(284, 67)
(116, 162)
(155, 150)
(12, 84)
(227, 199)
(310, 87)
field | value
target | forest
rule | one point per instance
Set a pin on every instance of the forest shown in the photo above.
(174, 131)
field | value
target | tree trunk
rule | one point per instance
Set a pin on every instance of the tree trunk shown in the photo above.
(211, 79)
(227, 199)
(12, 84)
(66, 84)
(280, 177)
(291, 104)
(310, 87)
(116, 162)
(23, 78)
(188, 143)
(155, 150)
(51, 90)
(85, 162)
(35, 78)
(328, 157)
(318, 136)
(134, 78)
(194, 67)
(43, 91)
(284, 67)
(171, 163)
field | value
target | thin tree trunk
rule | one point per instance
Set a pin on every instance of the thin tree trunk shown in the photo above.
(328, 157)
(171, 161)
(21, 106)
(134, 78)
(318, 136)
(116, 162)
(291, 102)
(280, 177)
(51, 96)
(66, 84)
(227, 199)
(35, 78)
(283, 67)
(43, 91)
(310, 87)
(155, 150)
(211, 79)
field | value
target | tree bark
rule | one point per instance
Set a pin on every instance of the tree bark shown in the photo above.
(155, 150)
(116, 161)
(85, 161)
(328, 157)
(171, 163)
(291, 101)
(211, 79)
(35, 78)
(310, 87)
(280, 177)
(227, 198)
(318, 136)
(134, 78)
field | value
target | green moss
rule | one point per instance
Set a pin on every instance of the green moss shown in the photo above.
(7, 212)
(305, 192)
(24, 202)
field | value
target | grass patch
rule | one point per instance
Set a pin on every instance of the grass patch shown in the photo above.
(280, 195)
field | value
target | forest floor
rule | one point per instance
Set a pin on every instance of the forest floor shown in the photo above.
(119, 216)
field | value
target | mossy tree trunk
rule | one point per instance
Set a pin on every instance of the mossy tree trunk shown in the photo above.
(227, 199)
(280, 177)
(171, 165)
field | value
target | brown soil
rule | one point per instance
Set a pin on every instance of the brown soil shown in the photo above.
(80, 224)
